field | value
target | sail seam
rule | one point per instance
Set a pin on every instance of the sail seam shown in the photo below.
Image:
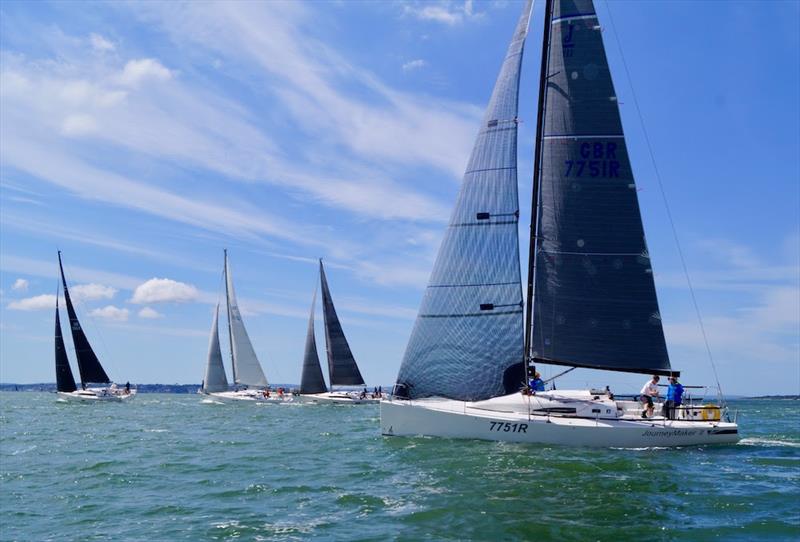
(469, 314)
(593, 253)
(575, 17)
(582, 136)
(468, 224)
(490, 169)
(470, 285)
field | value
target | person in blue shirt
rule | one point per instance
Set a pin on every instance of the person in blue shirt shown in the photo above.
(674, 398)
(536, 383)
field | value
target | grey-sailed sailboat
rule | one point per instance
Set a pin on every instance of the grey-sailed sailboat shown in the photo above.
(592, 298)
(342, 367)
(95, 383)
(250, 383)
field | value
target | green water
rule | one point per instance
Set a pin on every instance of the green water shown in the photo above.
(166, 467)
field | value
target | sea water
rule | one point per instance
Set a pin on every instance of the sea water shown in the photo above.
(169, 467)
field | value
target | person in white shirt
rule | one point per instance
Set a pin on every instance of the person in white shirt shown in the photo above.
(649, 390)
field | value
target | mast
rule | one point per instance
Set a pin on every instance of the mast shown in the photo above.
(537, 170)
(228, 305)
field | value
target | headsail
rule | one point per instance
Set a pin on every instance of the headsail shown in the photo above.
(312, 380)
(88, 364)
(246, 368)
(342, 366)
(595, 301)
(64, 380)
(215, 379)
(467, 340)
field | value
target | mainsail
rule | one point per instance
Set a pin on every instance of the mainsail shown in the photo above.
(467, 340)
(342, 367)
(246, 368)
(64, 380)
(215, 379)
(595, 301)
(88, 364)
(312, 380)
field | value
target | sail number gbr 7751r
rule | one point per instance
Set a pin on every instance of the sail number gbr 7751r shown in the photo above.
(507, 427)
(598, 160)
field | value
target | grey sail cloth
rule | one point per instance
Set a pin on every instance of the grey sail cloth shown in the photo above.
(246, 368)
(312, 380)
(88, 364)
(64, 379)
(342, 367)
(215, 379)
(467, 338)
(595, 301)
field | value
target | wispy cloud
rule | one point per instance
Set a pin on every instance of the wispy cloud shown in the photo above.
(20, 285)
(164, 290)
(99, 43)
(90, 292)
(412, 65)
(110, 312)
(446, 12)
(149, 314)
(35, 303)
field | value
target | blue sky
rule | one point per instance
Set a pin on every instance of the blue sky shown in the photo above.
(143, 138)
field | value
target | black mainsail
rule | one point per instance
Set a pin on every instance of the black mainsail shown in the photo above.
(88, 364)
(312, 380)
(467, 340)
(595, 300)
(342, 367)
(64, 380)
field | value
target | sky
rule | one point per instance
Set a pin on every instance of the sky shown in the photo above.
(143, 138)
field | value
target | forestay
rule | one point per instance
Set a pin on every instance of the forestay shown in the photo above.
(246, 368)
(342, 367)
(215, 379)
(466, 343)
(312, 380)
(595, 300)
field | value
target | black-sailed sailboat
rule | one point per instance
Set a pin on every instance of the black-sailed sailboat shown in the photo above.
(591, 296)
(95, 383)
(342, 367)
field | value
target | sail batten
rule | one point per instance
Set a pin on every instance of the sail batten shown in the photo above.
(247, 370)
(64, 380)
(311, 380)
(461, 347)
(594, 299)
(342, 367)
(88, 365)
(215, 379)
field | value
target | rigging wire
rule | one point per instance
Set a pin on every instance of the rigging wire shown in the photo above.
(665, 201)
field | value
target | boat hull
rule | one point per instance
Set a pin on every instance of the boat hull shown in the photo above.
(255, 396)
(464, 420)
(336, 398)
(95, 395)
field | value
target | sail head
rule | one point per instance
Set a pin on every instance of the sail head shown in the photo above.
(595, 301)
(215, 379)
(64, 380)
(342, 367)
(312, 380)
(88, 365)
(466, 343)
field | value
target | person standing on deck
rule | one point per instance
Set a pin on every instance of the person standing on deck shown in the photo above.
(674, 398)
(649, 390)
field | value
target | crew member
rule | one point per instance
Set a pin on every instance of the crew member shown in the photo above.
(674, 398)
(649, 390)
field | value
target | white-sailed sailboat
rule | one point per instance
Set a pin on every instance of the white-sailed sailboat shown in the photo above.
(590, 283)
(342, 367)
(94, 380)
(250, 383)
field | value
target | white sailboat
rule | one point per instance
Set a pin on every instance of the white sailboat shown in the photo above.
(342, 367)
(250, 383)
(592, 299)
(92, 373)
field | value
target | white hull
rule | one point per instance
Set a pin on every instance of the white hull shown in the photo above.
(510, 418)
(255, 396)
(94, 395)
(337, 398)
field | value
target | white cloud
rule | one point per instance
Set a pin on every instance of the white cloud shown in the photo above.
(412, 65)
(78, 125)
(99, 43)
(158, 290)
(20, 285)
(110, 312)
(89, 292)
(149, 313)
(36, 303)
(137, 71)
(445, 11)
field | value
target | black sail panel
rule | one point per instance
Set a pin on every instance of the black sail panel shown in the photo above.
(342, 366)
(312, 380)
(595, 301)
(88, 364)
(64, 380)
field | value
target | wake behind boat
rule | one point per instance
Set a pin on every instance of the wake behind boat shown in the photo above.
(592, 298)
(88, 365)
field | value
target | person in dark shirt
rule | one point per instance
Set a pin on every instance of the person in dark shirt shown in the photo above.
(674, 398)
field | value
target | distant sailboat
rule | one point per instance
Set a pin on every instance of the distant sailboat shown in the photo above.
(248, 376)
(88, 365)
(592, 299)
(342, 367)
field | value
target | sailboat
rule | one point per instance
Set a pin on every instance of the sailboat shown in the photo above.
(250, 383)
(88, 365)
(342, 367)
(591, 294)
